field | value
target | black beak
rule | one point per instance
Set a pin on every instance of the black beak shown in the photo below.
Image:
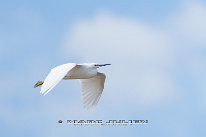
(100, 65)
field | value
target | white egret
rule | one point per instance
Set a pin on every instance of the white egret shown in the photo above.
(92, 82)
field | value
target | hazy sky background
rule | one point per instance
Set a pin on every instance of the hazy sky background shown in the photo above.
(157, 49)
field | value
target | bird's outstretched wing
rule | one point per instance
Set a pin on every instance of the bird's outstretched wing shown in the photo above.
(92, 89)
(55, 76)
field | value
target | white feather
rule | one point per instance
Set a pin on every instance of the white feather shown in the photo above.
(55, 76)
(92, 89)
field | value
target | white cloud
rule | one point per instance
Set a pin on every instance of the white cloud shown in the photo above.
(113, 35)
(144, 57)
(188, 25)
(141, 57)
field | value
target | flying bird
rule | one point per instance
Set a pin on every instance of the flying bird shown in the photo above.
(92, 81)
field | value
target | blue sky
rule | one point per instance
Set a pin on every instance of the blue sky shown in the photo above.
(156, 48)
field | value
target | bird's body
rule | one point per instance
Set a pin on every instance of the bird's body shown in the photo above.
(82, 71)
(92, 82)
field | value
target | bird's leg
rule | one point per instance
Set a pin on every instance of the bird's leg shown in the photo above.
(39, 83)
